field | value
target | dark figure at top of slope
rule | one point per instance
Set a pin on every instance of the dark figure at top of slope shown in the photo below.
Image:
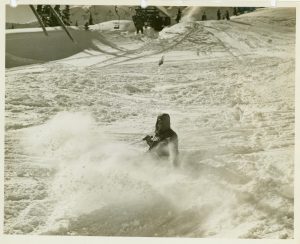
(204, 17)
(227, 15)
(178, 17)
(138, 21)
(219, 14)
(164, 143)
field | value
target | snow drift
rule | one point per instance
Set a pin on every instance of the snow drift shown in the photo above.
(29, 46)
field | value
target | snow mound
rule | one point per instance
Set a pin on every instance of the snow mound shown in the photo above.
(28, 46)
(174, 31)
(279, 16)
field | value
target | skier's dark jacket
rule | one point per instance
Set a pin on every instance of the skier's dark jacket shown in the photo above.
(164, 143)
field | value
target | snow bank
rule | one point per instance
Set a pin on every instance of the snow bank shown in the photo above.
(28, 46)
(280, 16)
(174, 31)
(32, 46)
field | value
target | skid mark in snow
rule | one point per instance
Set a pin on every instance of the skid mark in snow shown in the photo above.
(165, 48)
(233, 46)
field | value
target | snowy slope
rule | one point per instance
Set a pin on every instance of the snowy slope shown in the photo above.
(29, 46)
(75, 162)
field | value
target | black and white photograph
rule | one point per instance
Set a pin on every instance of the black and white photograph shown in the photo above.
(149, 121)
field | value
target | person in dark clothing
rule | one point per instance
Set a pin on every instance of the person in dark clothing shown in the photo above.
(86, 26)
(227, 15)
(204, 16)
(235, 11)
(178, 17)
(164, 143)
(219, 14)
(157, 23)
(138, 23)
(139, 28)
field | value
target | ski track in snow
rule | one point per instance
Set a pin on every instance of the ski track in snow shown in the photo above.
(229, 88)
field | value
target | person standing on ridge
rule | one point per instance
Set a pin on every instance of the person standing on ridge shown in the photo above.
(178, 15)
(219, 14)
(235, 12)
(164, 142)
(227, 15)
(204, 16)
(139, 24)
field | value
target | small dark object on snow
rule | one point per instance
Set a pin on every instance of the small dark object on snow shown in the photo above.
(86, 26)
(161, 61)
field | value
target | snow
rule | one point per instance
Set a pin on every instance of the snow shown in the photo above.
(30, 46)
(74, 158)
(123, 25)
(174, 31)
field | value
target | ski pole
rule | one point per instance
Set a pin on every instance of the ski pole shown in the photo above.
(62, 23)
(39, 19)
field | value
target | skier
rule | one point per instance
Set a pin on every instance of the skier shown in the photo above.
(178, 16)
(219, 14)
(157, 23)
(204, 16)
(164, 143)
(86, 26)
(235, 11)
(139, 24)
(227, 15)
